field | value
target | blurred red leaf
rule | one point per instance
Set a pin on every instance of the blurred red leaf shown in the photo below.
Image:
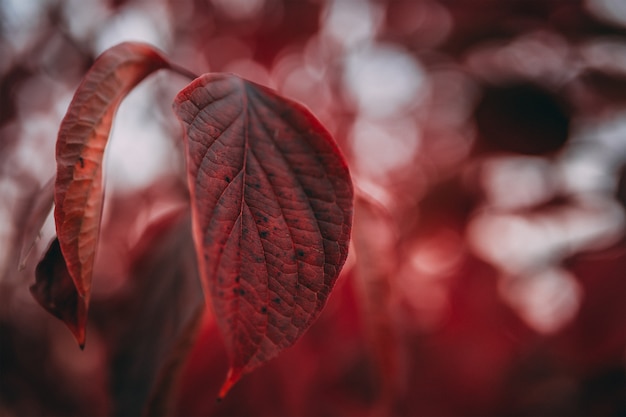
(80, 148)
(164, 306)
(54, 290)
(272, 211)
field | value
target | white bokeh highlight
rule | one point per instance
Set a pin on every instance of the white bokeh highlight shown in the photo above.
(384, 80)
(546, 300)
(380, 148)
(351, 22)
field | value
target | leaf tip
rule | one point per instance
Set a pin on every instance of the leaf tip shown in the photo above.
(78, 329)
(81, 339)
(231, 379)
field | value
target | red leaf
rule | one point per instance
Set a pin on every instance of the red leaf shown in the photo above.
(165, 305)
(54, 290)
(80, 148)
(272, 212)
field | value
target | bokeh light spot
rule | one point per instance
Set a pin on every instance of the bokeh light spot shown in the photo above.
(384, 80)
(351, 22)
(380, 148)
(546, 300)
(513, 183)
(613, 11)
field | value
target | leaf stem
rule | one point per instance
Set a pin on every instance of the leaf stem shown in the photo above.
(183, 71)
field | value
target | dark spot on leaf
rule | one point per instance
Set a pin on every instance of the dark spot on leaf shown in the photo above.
(263, 234)
(276, 300)
(264, 310)
(82, 162)
(300, 253)
(237, 278)
(227, 178)
(265, 219)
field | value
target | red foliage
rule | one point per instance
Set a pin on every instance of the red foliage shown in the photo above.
(78, 193)
(271, 202)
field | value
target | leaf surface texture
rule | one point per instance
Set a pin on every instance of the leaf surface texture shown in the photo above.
(271, 210)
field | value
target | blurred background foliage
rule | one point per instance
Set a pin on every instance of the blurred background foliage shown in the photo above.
(487, 142)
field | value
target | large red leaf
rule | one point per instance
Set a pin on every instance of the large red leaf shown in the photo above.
(272, 212)
(80, 147)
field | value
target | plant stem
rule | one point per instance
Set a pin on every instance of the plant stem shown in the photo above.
(183, 71)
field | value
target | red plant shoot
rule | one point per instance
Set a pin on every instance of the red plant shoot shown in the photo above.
(271, 203)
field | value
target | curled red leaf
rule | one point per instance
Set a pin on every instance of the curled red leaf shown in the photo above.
(80, 148)
(272, 212)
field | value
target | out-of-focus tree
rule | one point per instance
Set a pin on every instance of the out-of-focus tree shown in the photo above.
(487, 142)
